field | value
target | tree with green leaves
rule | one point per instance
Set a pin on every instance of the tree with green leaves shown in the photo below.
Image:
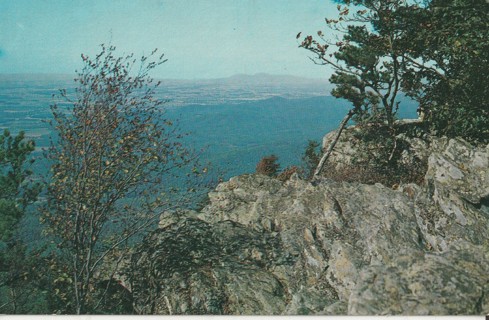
(114, 170)
(17, 190)
(436, 52)
(448, 70)
(365, 49)
(368, 60)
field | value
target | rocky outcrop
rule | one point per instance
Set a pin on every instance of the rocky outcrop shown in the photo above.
(458, 191)
(262, 246)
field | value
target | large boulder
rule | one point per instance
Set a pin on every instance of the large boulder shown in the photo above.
(457, 185)
(193, 267)
(262, 246)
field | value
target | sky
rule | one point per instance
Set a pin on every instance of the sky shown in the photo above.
(200, 38)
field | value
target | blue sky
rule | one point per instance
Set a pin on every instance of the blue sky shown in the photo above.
(201, 38)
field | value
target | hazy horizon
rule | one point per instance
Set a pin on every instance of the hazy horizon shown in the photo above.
(208, 39)
(236, 75)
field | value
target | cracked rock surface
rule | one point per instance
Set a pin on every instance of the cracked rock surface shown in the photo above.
(262, 246)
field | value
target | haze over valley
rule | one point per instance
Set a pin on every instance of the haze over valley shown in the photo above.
(237, 120)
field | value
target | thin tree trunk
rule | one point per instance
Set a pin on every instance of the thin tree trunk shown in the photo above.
(327, 153)
(14, 300)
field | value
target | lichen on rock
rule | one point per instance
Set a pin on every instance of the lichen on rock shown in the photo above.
(263, 246)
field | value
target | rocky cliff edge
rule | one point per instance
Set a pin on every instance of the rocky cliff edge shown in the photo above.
(262, 246)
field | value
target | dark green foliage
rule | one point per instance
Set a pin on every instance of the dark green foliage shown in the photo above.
(311, 157)
(454, 45)
(19, 269)
(116, 298)
(23, 274)
(435, 51)
(10, 215)
(367, 61)
(17, 189)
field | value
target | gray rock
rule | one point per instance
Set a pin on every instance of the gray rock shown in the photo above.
(262, 246)
(454, 203)
(192, 267)
(450, 283)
